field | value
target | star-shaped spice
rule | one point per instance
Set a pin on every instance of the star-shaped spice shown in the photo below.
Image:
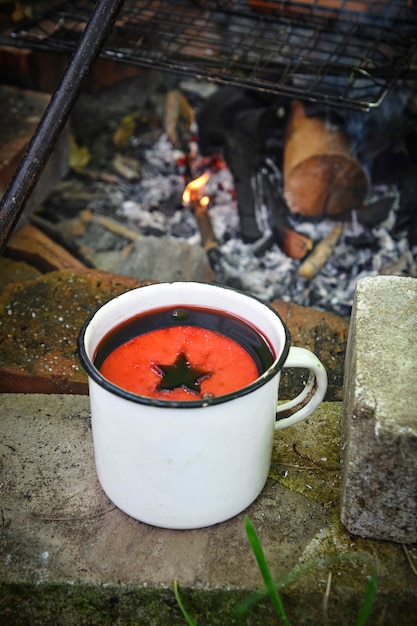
(180, 374)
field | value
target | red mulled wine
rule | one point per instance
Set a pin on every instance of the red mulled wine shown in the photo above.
(183, 353)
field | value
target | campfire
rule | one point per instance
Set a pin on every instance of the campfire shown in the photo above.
(289, 196)
(232, 197)
(195, 198)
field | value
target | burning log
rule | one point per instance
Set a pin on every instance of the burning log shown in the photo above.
(235, 123)
(194, 197)
(205, 227)
(321, 178)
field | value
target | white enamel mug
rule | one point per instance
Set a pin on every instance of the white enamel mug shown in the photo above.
(179, 464)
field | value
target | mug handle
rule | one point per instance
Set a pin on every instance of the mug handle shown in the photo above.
(301, 357)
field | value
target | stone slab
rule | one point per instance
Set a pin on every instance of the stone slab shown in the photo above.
(161, 259)
(379, 480)
(70, 557)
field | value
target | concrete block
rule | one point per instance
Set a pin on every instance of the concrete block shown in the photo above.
(379, 420)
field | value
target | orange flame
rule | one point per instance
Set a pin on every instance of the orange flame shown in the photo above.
(193, 193)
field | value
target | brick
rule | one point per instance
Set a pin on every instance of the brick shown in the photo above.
(379, 423)
(323, 333)
(41, 70)
(12, 271)
(40, 321)
(38, 352)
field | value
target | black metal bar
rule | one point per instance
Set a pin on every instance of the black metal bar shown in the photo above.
(55, 116)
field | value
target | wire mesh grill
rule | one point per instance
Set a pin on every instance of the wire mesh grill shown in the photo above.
(342, 52)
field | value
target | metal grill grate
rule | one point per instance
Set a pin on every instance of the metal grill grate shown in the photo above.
(349, 56)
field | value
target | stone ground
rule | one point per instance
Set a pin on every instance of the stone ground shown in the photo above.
(70, 557)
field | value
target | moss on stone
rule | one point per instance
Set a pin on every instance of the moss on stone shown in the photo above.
(306, 456)
(40, 321)
(55, 604)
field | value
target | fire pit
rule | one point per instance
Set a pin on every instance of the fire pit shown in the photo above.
(375, 240)
(257, 237)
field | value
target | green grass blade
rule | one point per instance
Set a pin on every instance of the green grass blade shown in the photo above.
(189, 619)
(368, 601)
(247, 604)
(265, 571)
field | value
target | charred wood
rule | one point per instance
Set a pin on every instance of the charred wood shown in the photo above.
(294, 244)
(236, 124)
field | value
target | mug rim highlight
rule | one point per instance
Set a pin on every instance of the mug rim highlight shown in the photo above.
(94, 374)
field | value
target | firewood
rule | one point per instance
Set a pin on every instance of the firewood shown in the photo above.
(202, 216)
(33, 246)
(126, 167)
(62, 237)
(321, 178)
(315, 261)
(177, 109)
(116, 227)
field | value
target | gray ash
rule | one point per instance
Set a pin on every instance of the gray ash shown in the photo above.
(268, 274)
(152, 205)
